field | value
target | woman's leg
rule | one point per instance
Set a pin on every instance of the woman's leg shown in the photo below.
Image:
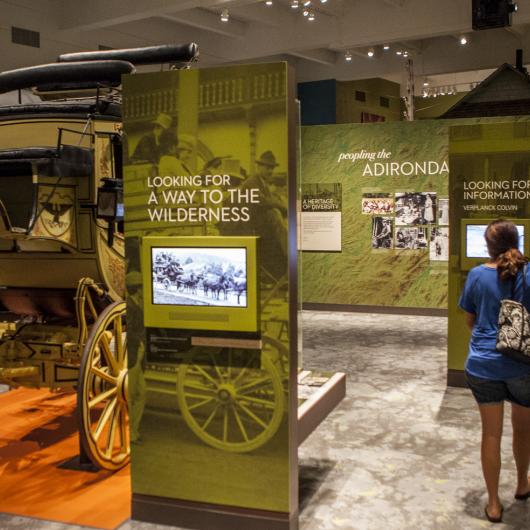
(521, 446)
(492, 419)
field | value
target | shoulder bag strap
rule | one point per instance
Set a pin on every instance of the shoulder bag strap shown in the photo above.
(525, 266)
(522, 308)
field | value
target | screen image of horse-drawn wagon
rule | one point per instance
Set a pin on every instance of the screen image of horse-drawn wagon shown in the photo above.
(198, 276)
(62, 267)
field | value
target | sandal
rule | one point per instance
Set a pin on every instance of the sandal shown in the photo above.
(493, 519)
(522, 496)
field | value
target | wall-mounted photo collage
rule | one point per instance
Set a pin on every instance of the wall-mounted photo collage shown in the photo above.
(409, 221)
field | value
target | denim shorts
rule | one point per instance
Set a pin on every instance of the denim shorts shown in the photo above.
(488, 391)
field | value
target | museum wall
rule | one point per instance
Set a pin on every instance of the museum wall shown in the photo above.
(368, 100)
(360, 101)
(318, 102)
(394, 270)
(394, 250)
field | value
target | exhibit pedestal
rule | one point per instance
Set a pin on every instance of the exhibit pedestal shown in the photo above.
(318, 393)
(482, 156)
(199, 515)
(213, 345)
(456, 378)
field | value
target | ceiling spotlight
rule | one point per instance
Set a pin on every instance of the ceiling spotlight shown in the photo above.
(306, 3)
(386, 47)
(426, 83)
(295, 4)
(310, 15)
(405, 54)
(268, 2)
(225, 15)
(348, 57)
(463, 40)
(371, 52)
(323, 1)
(399, 52)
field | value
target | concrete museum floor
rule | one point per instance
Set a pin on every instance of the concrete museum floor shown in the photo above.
(402, 449)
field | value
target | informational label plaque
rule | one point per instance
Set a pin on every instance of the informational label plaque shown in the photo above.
(322, 217)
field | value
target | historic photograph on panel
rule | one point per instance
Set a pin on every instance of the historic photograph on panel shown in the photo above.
(415, 208)
(413, 238)
(382, 232)
(439, 244)
(377, 204)
(199, 276)
(443, 212)
(322, 197)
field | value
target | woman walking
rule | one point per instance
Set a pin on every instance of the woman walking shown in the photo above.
(493, 377)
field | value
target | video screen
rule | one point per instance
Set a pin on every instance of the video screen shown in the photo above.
(199, 276)
(476, 244)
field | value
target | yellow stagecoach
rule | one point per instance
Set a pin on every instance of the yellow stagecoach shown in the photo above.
(62, 265)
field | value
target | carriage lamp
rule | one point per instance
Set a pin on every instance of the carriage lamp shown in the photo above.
(110, 204)
(110, 200)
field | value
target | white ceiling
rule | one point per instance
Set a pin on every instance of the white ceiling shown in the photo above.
(428, 29)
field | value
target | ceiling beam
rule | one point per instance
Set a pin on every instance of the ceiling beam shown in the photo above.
(321, 56)
(412, 47)
(83, 15)
(208, 21)
(258, 12)
(519, 32)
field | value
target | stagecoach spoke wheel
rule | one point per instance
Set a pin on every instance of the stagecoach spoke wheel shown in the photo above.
(236, 409)
(102, 391)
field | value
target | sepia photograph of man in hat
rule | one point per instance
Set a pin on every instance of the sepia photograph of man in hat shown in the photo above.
(268, 217)
(149, 148)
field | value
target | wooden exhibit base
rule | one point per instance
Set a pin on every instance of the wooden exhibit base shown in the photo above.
(318, 400)
(203, 516)
(456, 378)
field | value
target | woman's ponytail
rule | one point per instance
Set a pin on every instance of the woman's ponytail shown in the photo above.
(509, 263)
(502, 239)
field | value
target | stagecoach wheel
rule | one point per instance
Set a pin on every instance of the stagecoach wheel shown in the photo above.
(166, 283)
(232, 409)
(102, 391)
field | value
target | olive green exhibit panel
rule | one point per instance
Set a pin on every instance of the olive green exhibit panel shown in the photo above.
(490, 179)
(207, 183)
(380, 168)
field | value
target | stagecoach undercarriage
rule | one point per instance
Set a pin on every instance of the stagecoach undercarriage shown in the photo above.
(88, 357)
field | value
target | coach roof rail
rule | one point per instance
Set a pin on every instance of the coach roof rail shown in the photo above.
(97, 72)
(164, 53)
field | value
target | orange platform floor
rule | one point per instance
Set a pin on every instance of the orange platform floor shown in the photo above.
(38, 432)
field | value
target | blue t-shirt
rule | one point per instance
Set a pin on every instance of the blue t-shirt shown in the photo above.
(482, 297)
